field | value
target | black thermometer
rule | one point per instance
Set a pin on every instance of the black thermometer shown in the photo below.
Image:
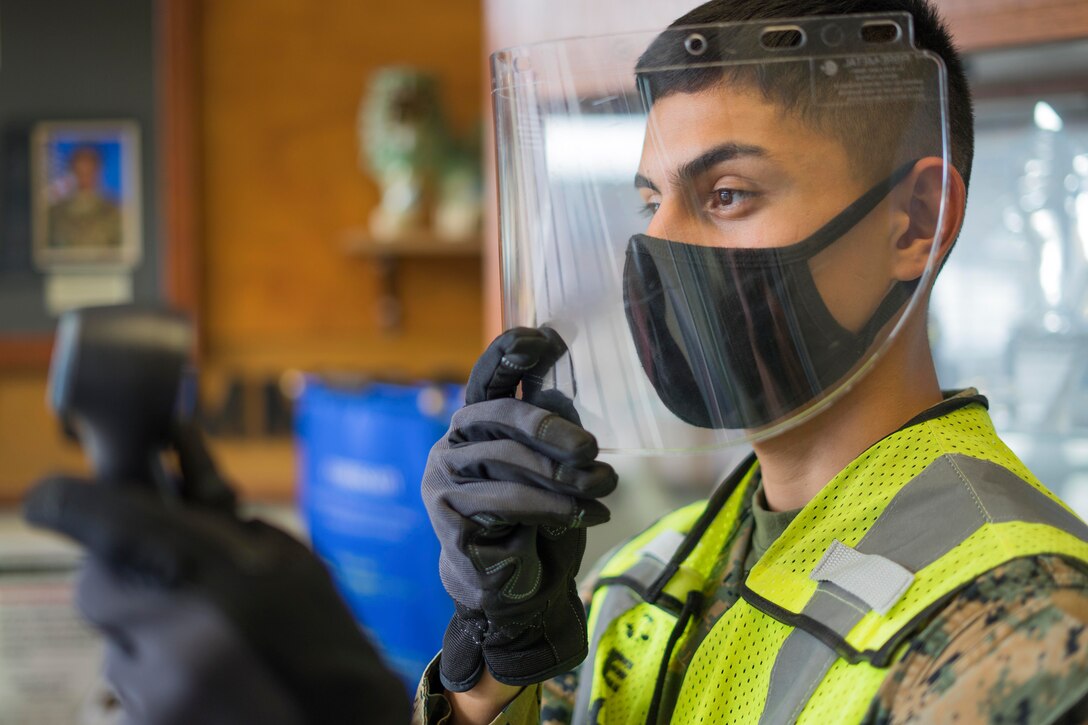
(114, 383)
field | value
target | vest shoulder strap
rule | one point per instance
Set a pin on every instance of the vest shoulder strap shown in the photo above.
(645, 566)
(675, 555)
(959, 518)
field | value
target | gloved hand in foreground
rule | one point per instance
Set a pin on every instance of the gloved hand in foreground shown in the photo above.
(510, 491)
(209, 618)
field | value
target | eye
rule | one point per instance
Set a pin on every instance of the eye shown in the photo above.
(649, 208)
(725, 201)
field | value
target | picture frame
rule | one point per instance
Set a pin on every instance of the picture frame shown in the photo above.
(85, 195)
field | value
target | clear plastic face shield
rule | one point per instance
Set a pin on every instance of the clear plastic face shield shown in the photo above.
(727, 225)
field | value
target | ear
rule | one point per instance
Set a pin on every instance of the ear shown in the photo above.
(922, 193)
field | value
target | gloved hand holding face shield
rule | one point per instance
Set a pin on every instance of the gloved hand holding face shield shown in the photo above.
(791, 182)
(510, 491)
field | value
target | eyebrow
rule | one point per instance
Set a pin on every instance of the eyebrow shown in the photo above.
(641, 182)
(690, 170)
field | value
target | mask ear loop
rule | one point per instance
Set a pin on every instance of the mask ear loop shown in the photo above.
(847, 219)
(901, 292)
(897, 296)
(838, 226)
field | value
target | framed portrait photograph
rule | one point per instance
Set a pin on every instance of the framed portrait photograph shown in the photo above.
(85, 191)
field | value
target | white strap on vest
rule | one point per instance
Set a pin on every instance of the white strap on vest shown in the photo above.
(664, 545)
(874, 579)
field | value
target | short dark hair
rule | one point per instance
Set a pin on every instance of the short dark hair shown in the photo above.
(930, 34)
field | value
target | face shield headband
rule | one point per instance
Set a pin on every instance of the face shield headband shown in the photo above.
(738, 338)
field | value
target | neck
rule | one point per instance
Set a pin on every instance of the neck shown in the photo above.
(796, 464)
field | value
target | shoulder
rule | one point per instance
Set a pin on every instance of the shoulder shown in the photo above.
(1011, 646)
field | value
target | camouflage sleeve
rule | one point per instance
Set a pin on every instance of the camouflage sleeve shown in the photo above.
(432, 708)
(1010, 648)
(557, 699)
(551, 703)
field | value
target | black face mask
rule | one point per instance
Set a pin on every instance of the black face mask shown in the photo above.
(740, 338)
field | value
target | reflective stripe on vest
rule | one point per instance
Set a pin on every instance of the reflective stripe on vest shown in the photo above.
(794, 648)
(981, 492)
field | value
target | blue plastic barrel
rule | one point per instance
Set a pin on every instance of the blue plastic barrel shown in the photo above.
(362, 456)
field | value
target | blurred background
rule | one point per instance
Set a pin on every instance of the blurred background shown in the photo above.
(312, 183)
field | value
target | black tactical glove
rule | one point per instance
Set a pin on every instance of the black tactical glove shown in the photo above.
(510, 491)
(210, 618)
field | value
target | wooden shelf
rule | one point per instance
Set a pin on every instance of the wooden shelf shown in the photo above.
(358, 243)
(388, 254)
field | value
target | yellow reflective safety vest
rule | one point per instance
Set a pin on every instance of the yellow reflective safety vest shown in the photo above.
(835, 600)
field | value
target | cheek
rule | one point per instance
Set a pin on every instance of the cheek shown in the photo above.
(853, 275)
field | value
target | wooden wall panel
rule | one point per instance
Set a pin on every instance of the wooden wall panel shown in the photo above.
(178, 37)
(281, 87)
(984, 24)
(31, 444)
